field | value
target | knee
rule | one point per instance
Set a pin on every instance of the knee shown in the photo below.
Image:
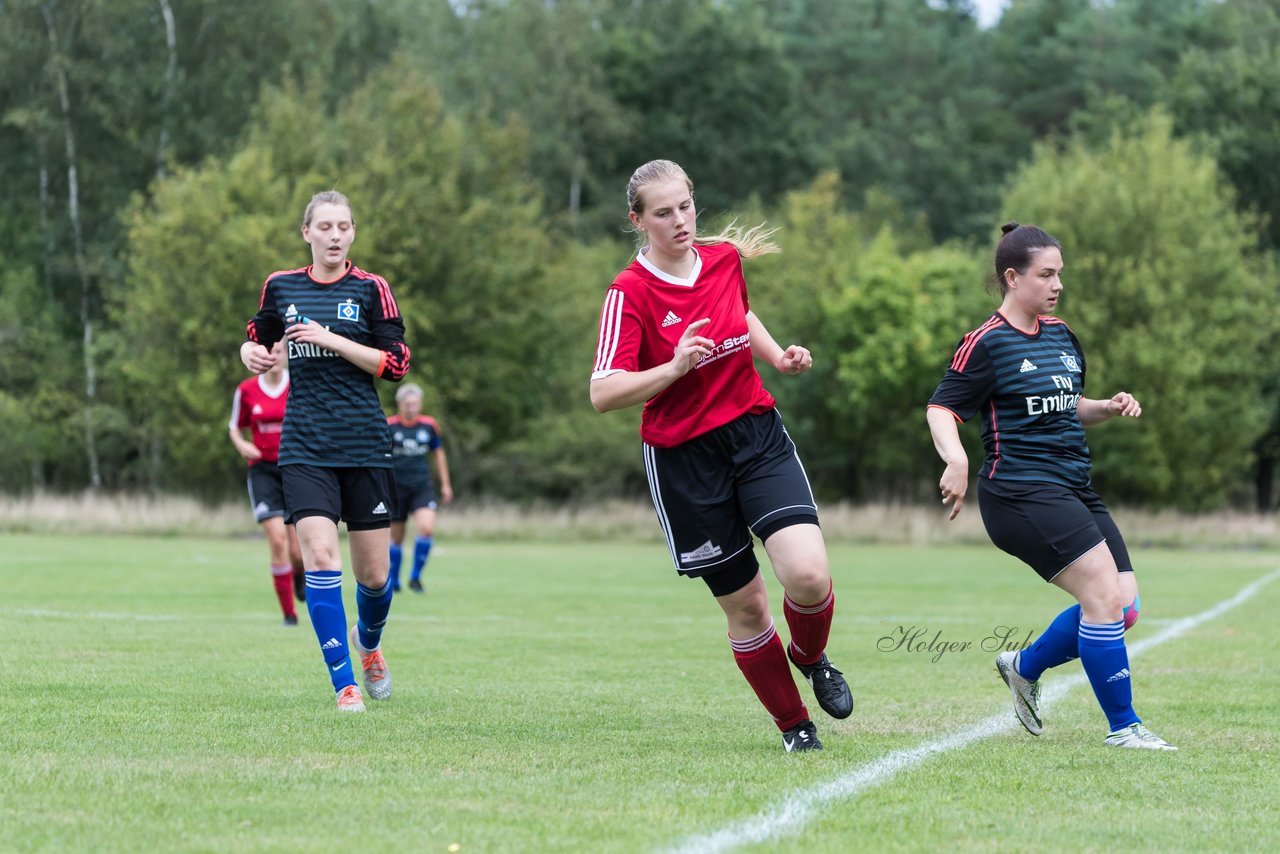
(808, 583)
(750, 610)
(1105, 605)
(1131, 613)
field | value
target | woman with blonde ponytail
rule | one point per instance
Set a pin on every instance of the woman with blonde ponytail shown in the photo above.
(678, 335)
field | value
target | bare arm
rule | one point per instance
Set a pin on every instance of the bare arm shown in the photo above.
(629, 388)
(1092, 412)
(442, 473)
(946, 439)
(793, 360)
(247, 449)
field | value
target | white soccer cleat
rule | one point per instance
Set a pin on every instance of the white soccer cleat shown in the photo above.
(1137, 736)
(377, 678)
(1026, 694)
(349, 700)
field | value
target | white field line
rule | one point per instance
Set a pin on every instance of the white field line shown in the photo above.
(799, 807)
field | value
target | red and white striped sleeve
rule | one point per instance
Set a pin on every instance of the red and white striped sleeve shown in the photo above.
(618, 347)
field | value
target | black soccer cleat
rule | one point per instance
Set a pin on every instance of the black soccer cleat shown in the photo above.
(290, 621)
(300, 586)
(415, 585)
(802, 736)
(828, 685)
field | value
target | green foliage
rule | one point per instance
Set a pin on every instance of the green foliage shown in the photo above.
(1170, 301)
(881, 311)
(485, 145)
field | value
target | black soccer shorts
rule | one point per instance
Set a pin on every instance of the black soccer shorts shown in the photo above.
(413, 497)
(1048, 526)
(266, 490)
(712, 492)
(361, 497)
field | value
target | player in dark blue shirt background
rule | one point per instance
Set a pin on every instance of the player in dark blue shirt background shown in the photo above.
(1024, 371)
(414, 437)
(342, 328)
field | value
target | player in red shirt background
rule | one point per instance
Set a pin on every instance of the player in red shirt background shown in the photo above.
(677, 334)
(258, 406)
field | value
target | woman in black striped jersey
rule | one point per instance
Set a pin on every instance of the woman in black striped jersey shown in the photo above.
(343, 329)
(1024, 371)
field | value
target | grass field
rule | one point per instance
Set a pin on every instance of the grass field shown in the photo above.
(583, 698)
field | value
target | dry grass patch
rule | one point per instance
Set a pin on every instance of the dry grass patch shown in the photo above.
(170, 515)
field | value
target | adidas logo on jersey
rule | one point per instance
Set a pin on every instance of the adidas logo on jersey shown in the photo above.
(380, 510)
(702, 552)
(257, 409)
(331, 643)
(670, 319)
(1026, 366)
(1123, 674)
(291, 312)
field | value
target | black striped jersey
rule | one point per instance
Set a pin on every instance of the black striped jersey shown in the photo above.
(334, 416)
(410, 444)
(1027, 387)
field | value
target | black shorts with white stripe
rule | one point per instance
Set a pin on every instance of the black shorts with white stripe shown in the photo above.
(364, 498)
(714, 491)
(266, 490)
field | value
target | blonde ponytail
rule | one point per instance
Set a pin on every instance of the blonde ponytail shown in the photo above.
(750, 242)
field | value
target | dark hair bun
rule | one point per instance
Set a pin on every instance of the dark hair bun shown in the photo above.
(1008, 227)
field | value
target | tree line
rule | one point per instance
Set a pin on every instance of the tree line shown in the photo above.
(157, 155)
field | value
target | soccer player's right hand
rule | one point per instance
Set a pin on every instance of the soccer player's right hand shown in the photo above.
(256, 357)
(250, 452)
(691, 347)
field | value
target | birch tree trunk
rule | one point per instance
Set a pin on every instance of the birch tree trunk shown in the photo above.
(170, 77)
(82, 267)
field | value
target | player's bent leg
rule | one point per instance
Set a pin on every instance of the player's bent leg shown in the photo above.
(295, 560)
(424, 518)
(395, 553)
(799, 557)
(758, 652)
(1093, 580)
(318, 536)
(281, 570)
(369, 549)
(1129, 594)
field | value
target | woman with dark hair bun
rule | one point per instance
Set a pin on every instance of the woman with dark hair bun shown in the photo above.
(1024, 371)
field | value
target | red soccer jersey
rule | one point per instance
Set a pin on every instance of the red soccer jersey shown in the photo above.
(260, 407)
(645, 313)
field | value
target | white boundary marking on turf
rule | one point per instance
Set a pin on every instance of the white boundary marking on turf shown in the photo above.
(801, 805)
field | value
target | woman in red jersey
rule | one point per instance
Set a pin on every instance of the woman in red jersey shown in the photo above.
(258, 406)
(677, 334)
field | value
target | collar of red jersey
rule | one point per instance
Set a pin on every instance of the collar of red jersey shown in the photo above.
(667, 277)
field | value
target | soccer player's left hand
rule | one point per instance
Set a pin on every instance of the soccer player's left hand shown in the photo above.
(795, 360)
(1124, 405)
(311, 332)
(446, 494)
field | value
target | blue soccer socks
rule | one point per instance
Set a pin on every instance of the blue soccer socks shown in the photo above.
(1058, 644)
(329, 619)
(1106, 662)
(372, 607)
(421, 551)
(397, 554)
